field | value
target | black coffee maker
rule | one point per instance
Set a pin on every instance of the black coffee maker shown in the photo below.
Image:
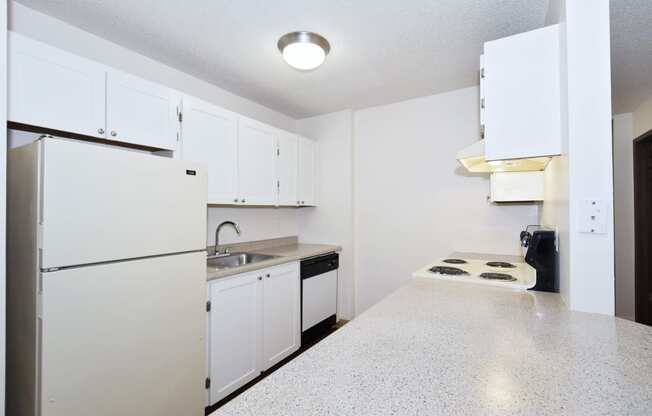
(541, 245)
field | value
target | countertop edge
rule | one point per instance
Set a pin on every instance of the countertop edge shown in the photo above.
(304, 251)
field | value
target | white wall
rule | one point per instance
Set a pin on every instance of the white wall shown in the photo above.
(586, 260)
(413, 202)
(555, 211)
(332, 220)
(62, 35)
(623, 136)
(642, 118)
(255, 223)
(590, 152)
(3, 194)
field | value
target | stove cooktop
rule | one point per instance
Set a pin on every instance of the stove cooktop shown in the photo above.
(501, 264)
(491, 270)
(498, 276)
(451, 271)
(454, 261)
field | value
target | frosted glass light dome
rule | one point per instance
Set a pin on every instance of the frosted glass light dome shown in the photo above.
(304, 50)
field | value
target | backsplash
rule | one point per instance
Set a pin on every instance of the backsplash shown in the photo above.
(255, 223)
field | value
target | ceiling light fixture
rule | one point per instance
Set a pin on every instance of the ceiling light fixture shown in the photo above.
(304, 50)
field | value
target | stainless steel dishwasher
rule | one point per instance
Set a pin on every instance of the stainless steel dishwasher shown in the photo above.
(318, 295)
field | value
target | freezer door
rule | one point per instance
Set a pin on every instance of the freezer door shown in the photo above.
(125, 338)
(101, 203)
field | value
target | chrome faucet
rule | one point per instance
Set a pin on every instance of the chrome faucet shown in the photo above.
(226, 251)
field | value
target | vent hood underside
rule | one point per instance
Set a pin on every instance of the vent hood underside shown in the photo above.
(472, 158)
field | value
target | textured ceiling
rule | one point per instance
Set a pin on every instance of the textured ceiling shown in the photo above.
(382, 50)
(631, 53)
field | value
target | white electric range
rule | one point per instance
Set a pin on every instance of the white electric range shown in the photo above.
(487, 269)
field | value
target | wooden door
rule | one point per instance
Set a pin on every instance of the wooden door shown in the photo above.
(643, 227)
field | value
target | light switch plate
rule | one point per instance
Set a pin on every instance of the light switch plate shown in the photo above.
(593, 216)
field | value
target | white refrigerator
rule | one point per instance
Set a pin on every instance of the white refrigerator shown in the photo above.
(106, 282)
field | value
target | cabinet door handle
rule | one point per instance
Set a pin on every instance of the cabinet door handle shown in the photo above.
(100, 131)
(243, 200)
(260, 277)
(235, 200)
(267, 275)
(114, 133)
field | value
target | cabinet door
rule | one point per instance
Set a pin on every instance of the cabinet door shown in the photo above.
(287, 168)
(235, 326)
(50, 88)
(522, 95)
(209, 135)
(281, 311)
(256, 162)
(306, 172)
(141, 112)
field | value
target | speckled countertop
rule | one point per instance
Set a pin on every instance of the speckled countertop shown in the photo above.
(286, 249)
(436, 347)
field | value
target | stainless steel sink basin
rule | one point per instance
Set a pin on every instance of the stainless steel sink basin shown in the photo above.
(236, 260)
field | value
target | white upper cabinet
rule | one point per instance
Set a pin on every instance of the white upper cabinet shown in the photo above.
(248, 162)
(141, 112)
(210, 136)
(281, 313)
(287, 168)
(306, 172)
(50, 88)
(56, 90)
(256, 162)
(521, 95)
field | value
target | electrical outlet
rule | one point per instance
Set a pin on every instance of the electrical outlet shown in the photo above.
(593, 217)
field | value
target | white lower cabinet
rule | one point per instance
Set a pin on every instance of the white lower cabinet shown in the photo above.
(253, 324)
(234, 337)
(281, 313)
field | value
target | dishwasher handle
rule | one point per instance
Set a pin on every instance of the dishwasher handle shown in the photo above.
(319, 265)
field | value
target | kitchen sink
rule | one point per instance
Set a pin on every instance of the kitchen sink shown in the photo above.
(236, 260)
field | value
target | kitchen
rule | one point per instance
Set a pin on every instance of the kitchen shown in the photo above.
(352, 158)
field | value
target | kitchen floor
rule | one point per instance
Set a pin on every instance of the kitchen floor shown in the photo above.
(301, 350)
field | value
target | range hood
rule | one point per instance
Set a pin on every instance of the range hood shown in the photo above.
(472, 158)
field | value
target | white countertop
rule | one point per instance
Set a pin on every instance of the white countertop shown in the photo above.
(437, 347)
